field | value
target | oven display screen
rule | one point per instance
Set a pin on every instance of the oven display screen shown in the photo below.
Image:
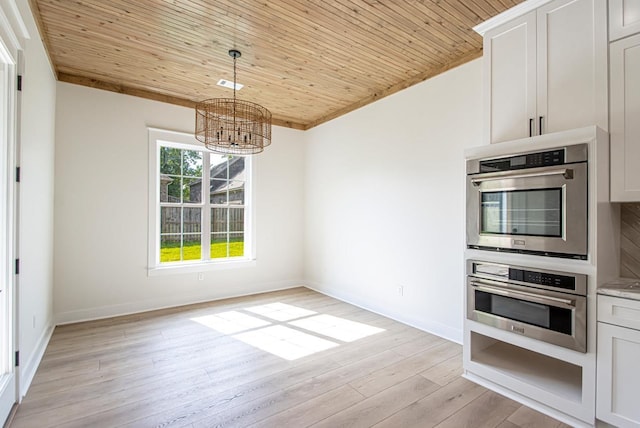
(518, 161)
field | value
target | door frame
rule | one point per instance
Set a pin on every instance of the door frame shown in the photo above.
(12, 34)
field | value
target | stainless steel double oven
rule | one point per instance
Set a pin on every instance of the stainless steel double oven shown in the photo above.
(533, 203)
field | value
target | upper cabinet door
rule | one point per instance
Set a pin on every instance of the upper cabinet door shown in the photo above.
(509, 73)
(546, 70)
(624, 18)
(625, 119)
(569, 60)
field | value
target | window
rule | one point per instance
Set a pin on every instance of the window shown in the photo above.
(199, 204)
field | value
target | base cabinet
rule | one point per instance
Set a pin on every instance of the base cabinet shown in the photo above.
(618, 375)
(618, 370)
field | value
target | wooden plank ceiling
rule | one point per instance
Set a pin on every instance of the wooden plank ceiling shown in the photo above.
(308, 61)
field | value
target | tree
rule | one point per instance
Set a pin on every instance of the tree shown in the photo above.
(184, 167)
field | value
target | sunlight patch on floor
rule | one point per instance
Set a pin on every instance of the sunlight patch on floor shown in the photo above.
(231, 322)
(280, 311)
(280, 333)
(337, 328)
(285, 342)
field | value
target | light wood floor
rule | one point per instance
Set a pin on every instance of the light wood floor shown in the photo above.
(178, 368)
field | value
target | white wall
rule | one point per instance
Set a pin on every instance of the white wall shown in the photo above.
(37, 124)
(355, 208)
(385, 201)
(101, 186)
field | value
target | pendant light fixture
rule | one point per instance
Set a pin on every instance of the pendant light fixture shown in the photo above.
(232, 126)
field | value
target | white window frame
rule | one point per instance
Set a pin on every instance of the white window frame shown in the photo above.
(181, 140)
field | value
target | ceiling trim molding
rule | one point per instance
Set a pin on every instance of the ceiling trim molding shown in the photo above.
(508, 15)
(122, 89)
(151, 95)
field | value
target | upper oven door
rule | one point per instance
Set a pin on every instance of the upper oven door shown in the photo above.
(541, 210)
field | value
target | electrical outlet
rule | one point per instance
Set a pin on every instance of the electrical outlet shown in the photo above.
(400, 290)
(200, 276)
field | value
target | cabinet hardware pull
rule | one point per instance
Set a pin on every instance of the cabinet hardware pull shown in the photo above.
(531, 127)
(540, 126)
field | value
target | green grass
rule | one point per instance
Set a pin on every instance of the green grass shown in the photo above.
(192, 251)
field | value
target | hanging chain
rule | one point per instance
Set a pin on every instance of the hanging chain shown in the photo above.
(234, 79)
(235, 58)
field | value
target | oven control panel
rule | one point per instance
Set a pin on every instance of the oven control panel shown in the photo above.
(552, 280)
(543, 278)
(529, 160)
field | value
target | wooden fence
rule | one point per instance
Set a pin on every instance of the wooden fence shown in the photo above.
(192, 219)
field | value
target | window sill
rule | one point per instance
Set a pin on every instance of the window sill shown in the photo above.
(197, 267)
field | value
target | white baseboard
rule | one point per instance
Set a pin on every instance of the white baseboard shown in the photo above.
(429, 326)
(28, 371)
(101, 312)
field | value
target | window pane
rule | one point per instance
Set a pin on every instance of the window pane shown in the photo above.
(191, 190)
(169, 188)
(191, 249)
(219, 166)
(170, 161)
(218, 191)
(219, 220)
(192, 220)
(236, 192)
(236, 219)
(191, 163)
(236, 244)
(236, 169)
(170, 248)
(169, 220)
(219, 245)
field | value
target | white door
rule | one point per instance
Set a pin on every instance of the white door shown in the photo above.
(7, 313)
(624, 18)
(618, 375)
(566, 65)
(625, 126)
(510, 80)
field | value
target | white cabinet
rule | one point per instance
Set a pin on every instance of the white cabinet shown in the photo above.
(618, 375)
(624, 18)
(625, 119)
(510, 77)
(617, 362)
(546, 71)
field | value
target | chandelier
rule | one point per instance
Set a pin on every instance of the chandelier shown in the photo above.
(232, 126)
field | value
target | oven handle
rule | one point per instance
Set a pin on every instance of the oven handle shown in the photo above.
(532, 297)
(567, 173)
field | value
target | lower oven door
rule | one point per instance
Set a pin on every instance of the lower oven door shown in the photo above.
(552, 317)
